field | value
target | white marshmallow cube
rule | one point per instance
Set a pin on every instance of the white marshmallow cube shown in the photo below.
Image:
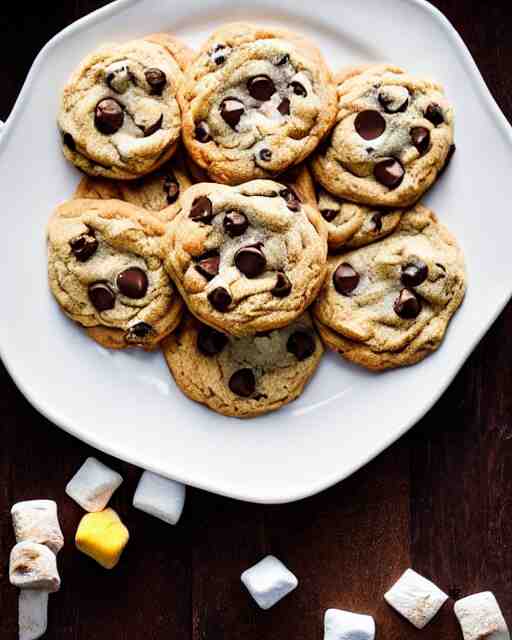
(32, 614)
(93, 485)
(345, 625)
(269, 581)
(37, 521)
(160, 497)
(33, 566)
(480, 617)
(416, 598)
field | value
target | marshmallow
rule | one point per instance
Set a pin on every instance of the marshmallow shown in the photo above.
(32, 614)
(93, 484)
(33, 566)
(102, 536)
(160, 497)
(37, 521)
(480, 617)
(345, 625)
(269, 581)
(416, 598)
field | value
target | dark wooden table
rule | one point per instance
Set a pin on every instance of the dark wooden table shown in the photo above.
(439, 500)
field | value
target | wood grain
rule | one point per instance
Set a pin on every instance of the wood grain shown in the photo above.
(439, 500)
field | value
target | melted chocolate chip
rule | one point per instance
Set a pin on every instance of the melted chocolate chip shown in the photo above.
(133, 282)
(345, 279)
(156, 79)
(250, 261)
(284, 107)
(231, 111)
(414, 273)
(329, 214)
(298, 89)
(101, 296)
(292, 199)
(202, 132)
(407, 305)
(69, 141)
(420, 137)
(153, 128)
(369, 124)
(261, 88)
(171, 188)
(265, 155)
(220, 299)
(202, 210)
(235, 223)
(284, 60)
(282, 287)
(139, 332)
(208, 266)
(243, 383)
(389, 172)
(84, 246)
(108, 116)
(210, 342)
(301, 344)
(434, 114)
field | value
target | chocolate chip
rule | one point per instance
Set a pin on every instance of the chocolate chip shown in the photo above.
(261, 88)
(231, 111)
(84, 246)
(139, 332)
(210, 342)
(284, 107)
(133, 282)
(434, 114)
(282, 287)
(414, 273)
(329, 214)
(208, 266)
(202, 210)
(69, 141)
(265, 155)
(156, 79)
(284, 60)
(301, 344)
(250, 261)
(235, 223)
(171, 188)
(217, 55)
(149, 131)
(394, 99)
(407, 305)
(202, 132)
(108, 116)
(369, 124)
(377, 222)
(220, 298)
(345, 279)
(243, 383)
(389, 172)
(298, 89)
(292, 199)
(101, 296)
(420, 137)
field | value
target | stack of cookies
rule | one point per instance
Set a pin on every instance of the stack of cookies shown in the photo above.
(243, 206)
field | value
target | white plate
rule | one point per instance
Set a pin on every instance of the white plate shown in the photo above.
(126, 403)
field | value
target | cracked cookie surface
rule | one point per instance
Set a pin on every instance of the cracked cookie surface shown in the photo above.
(389, 304)
(160, 192)
(394, 135)
(248, 258)
(105, 269)
(255, 101)
(119, 115)
(247, 376)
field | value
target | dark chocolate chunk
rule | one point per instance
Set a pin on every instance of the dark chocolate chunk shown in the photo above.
(231, 111)
(208, 266)
(407, 305)
(301, 344)
(220, 299)
(284, 107)
(133, 282)
(369, 124)
(414, 273)
(250, 261)
(298, 89)
(156, 79)
(235, 223)
(153, 128)
(261, 88)
(389, 172)
(202, 210)
(345, 279)
(282, 287)
(108, 116)
(420, 137)
(102, 296)
(243, 383)
(202, 132)
(210, 342)
(434, 114)
(84, 246)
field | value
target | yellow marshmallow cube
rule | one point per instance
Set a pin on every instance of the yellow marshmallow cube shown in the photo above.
(102, 536)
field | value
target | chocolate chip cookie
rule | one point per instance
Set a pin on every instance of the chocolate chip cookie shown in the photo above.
(106, 271)
(389, 304)
(243, 377)
(119, 115)
(248, 258)
(159, 192)
(255, 101)
(393, 136)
